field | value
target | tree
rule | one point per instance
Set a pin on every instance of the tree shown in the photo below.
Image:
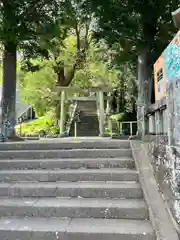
(96, 71)
(21, 21)
(37, 87)
(63, 62)
(141, 29)
(67, 48)
(74, 28)
(73, 42)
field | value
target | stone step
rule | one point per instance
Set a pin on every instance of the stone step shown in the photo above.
(89, 120)
(85, 125)
(69, 175)
(65, 144)
(82, 131)
(74, 208)
(77, 153)
(89, 117)
(121, 190)
(74, 229)
(83, 128)
(67, 163)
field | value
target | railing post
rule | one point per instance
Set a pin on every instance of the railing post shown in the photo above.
(110, 126)
(101, 113)
(62, 113)
(97, 103)
(131, 129)
(120, 128)
(108, 103)
(75, 129)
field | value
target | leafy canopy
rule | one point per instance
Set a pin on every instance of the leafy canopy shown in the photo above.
(135, 24)
(37, 87)
(23, 20)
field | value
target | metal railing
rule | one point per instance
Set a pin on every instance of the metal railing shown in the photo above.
(123, 128)
(70, 120)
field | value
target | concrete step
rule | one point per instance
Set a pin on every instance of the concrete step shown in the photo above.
(121, 190)
(89, 117)
(87, 128)
(74, 208)
(78, 153)
(68, 163)
(83, 132)
(65, 144)
(83, 128)
(74, 229)
(69, 175)
(84, 125)
(89, 121)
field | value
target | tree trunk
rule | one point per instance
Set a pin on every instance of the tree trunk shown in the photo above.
(9, 87)
(144, 87)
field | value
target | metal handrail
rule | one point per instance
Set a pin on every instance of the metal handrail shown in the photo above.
(68, 126)
(121, 126)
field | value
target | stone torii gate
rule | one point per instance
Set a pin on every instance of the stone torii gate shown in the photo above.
(99, 98)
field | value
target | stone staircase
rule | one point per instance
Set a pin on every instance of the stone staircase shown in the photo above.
(89, 123)
(86, 190)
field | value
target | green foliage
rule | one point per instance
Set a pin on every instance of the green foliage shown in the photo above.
(130, 26)
(54, 130)
(137, 33)
(44, 125)
(128, 86)
(72, 54)
(22, 23)
(65, 44)
(117, 117)
(96, 70)
(23, 20)
(36, 89)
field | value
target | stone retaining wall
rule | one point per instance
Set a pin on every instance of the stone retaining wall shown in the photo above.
(166, 165)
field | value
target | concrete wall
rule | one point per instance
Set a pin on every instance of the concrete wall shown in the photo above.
(161, 142)
(166, 166)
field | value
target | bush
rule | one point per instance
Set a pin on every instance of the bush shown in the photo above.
(54, 130)
(117, 117)
(42, 126)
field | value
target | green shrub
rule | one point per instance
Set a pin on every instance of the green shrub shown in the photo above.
(42, 126)
(54, 130)
(117, 117)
